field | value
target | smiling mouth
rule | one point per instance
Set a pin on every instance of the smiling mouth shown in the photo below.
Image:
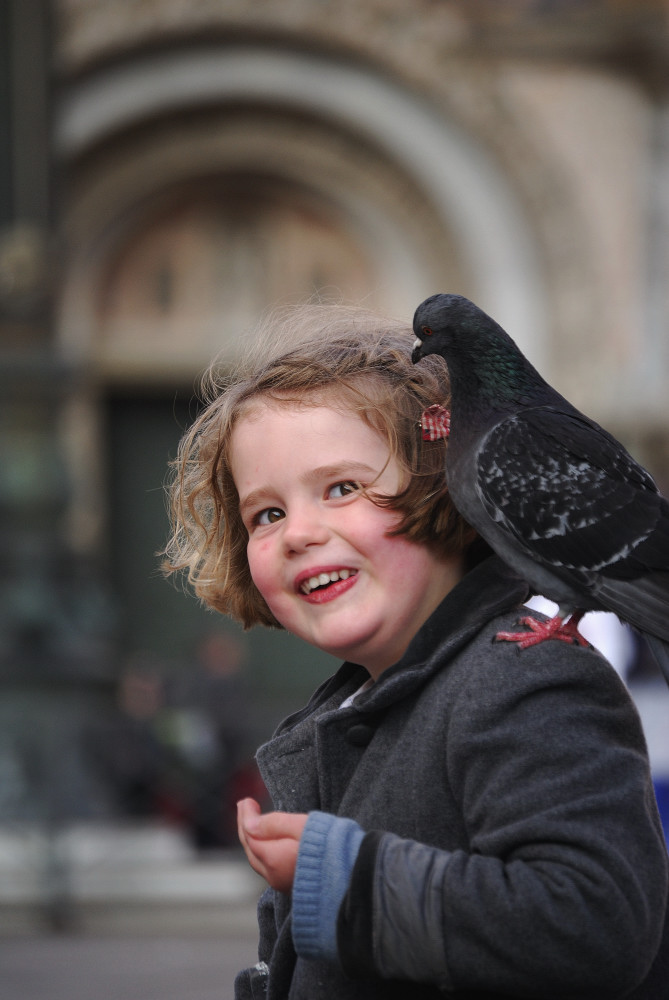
(322, 580)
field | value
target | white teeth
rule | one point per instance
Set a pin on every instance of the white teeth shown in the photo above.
(323, 579)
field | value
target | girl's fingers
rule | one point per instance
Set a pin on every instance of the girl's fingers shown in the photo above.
(271, 842)
(277, 826)
(275, 860)
(271, 826)
(248, 810)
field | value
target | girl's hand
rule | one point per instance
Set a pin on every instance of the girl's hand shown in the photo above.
(271, 842)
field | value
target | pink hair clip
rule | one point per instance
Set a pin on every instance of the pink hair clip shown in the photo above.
(435, 423)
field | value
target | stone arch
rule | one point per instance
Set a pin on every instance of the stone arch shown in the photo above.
(277, 166)
(469, 198)
(381, 170)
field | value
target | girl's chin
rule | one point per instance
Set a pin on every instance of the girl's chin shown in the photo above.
(354, 645)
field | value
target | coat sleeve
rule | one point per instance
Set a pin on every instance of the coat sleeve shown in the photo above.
(563, 887)
(328, 848)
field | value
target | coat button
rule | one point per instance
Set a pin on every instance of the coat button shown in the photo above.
(360, 735)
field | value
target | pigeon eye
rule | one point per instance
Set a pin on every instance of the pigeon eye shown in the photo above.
(427, 331)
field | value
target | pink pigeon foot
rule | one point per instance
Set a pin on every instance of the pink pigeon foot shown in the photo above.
(554, 628)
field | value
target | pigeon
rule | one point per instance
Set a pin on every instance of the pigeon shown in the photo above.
(556, 496)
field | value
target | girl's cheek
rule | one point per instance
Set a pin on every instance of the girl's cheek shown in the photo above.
(259, 557)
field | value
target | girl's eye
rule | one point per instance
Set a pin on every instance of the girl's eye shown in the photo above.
(340, 490)
(269, 516)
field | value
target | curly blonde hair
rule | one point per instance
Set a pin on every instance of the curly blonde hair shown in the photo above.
(339, 356)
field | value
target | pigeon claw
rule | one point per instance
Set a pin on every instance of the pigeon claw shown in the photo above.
(554, 628)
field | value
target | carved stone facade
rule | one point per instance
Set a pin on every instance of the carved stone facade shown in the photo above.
(555, 112)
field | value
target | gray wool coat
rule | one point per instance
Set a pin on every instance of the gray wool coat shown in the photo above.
(513, 847)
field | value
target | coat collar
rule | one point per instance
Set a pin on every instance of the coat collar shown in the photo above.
(488, 590)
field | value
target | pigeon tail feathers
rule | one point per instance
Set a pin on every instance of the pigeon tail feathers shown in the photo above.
(642, 602)
(660, 651)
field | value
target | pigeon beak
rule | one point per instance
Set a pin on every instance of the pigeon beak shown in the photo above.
(417, 352)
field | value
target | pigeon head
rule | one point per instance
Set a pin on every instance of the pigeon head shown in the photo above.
(481, 357)
(444, 320)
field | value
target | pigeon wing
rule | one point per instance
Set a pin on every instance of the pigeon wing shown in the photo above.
(572, 497)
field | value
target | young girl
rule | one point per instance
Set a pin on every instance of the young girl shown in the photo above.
(454, 816)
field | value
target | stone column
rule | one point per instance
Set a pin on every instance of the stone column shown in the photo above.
(55, 650)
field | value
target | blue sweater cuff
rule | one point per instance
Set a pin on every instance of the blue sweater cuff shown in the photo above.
(328, 849)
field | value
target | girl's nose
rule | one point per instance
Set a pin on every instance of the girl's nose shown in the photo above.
(303, 528)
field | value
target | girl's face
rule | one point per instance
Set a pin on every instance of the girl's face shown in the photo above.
(318, 550)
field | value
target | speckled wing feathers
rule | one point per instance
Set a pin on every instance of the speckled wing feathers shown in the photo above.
(573, 497)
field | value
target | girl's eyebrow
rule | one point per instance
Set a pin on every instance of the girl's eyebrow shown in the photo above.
(254, 499)
(341, 470)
